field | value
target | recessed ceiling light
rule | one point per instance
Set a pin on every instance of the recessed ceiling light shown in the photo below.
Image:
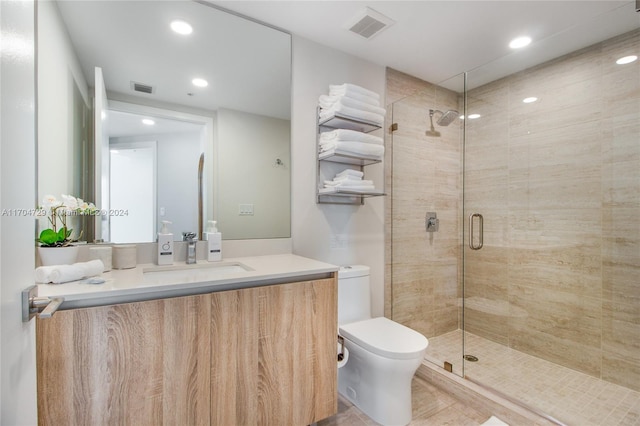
(148, 121)
(519, 42)
(461, 117)
(181, 27)
(529, 100)
(473, 116)
(626, 60)
(200, 82)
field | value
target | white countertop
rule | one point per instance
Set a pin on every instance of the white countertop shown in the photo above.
(131, 285)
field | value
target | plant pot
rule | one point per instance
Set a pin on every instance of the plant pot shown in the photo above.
(50, 256)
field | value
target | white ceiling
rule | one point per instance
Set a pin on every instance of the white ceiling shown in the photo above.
(128, 124)
(436, 40)
(248, 66)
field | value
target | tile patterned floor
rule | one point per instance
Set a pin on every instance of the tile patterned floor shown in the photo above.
(570, 396)
(431, 407)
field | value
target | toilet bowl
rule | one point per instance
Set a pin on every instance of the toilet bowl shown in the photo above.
(383, 354)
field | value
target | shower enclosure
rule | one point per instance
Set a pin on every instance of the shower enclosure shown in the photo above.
(531, 285)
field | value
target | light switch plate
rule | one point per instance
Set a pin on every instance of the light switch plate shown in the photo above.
(245, 209)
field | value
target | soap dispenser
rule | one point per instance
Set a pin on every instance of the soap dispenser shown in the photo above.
(214, 242)
(165, 245)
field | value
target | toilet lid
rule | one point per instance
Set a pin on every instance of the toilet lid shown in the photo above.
(385, 338)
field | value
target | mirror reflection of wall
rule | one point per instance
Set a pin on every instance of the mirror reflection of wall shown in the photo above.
(255, 185)
(174, 197)
(248, 67)
(63, 92)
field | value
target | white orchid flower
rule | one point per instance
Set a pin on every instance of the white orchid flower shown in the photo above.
(85, 207)
(49, 202)
(58, 211)
(70, 202)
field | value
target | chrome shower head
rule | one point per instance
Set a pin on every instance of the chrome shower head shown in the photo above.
(432, 131)
(447, 117)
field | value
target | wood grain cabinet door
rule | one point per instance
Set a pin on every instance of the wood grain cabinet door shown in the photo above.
(278, 365)
(144, 363)
(257, 356)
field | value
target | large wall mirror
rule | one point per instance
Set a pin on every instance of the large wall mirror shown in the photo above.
(151, 123)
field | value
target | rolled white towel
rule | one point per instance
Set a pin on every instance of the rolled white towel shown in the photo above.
(64, 273)
(342, 89)
(350, 172)
(350, 135)
(333, 101)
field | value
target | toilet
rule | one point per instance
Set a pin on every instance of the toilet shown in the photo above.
(383, 355)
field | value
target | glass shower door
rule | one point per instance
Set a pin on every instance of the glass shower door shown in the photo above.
(551, 238)
(425, 202)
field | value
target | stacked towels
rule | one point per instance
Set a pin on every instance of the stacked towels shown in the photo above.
(352, 101)
(351, 142)
(64, 273)
(349, 180)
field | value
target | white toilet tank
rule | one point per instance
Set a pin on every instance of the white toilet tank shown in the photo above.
(354, 294)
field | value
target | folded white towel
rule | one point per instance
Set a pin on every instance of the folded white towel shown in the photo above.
(348, 183)
(347, 177)
(350, 172)
(350, 135)
(336, 151)
(64, 273)
(333, 101)
(359, 97)
(333, 189)
(343, 89)
(494, 421)
(352, 113)
(358, 148)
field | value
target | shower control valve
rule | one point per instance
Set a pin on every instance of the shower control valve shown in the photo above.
(432, 223)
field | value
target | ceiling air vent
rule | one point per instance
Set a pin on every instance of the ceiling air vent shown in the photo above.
(369, 23)
(142, 88)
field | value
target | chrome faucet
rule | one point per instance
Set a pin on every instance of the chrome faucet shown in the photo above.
(189, 237)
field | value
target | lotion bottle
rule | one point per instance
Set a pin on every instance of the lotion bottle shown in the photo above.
(214, 242)
(165, 245)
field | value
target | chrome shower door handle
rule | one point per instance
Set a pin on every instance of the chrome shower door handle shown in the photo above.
(473, 246)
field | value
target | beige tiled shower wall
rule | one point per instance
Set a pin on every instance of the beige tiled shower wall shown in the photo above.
(558, 184)
(423, 174)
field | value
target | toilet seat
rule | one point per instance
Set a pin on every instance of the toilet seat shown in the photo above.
(385, 338)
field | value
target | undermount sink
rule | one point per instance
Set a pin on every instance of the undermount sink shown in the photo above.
(196, 272)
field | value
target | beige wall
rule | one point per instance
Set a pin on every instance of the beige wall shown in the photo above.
(423, 174)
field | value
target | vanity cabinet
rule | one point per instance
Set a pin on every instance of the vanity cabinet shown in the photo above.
(342, 195)
(262, 355)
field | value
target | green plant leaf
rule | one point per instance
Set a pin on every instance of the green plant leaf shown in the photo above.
(48, 237)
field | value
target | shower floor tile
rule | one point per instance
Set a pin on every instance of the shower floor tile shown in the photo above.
(572, 397)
